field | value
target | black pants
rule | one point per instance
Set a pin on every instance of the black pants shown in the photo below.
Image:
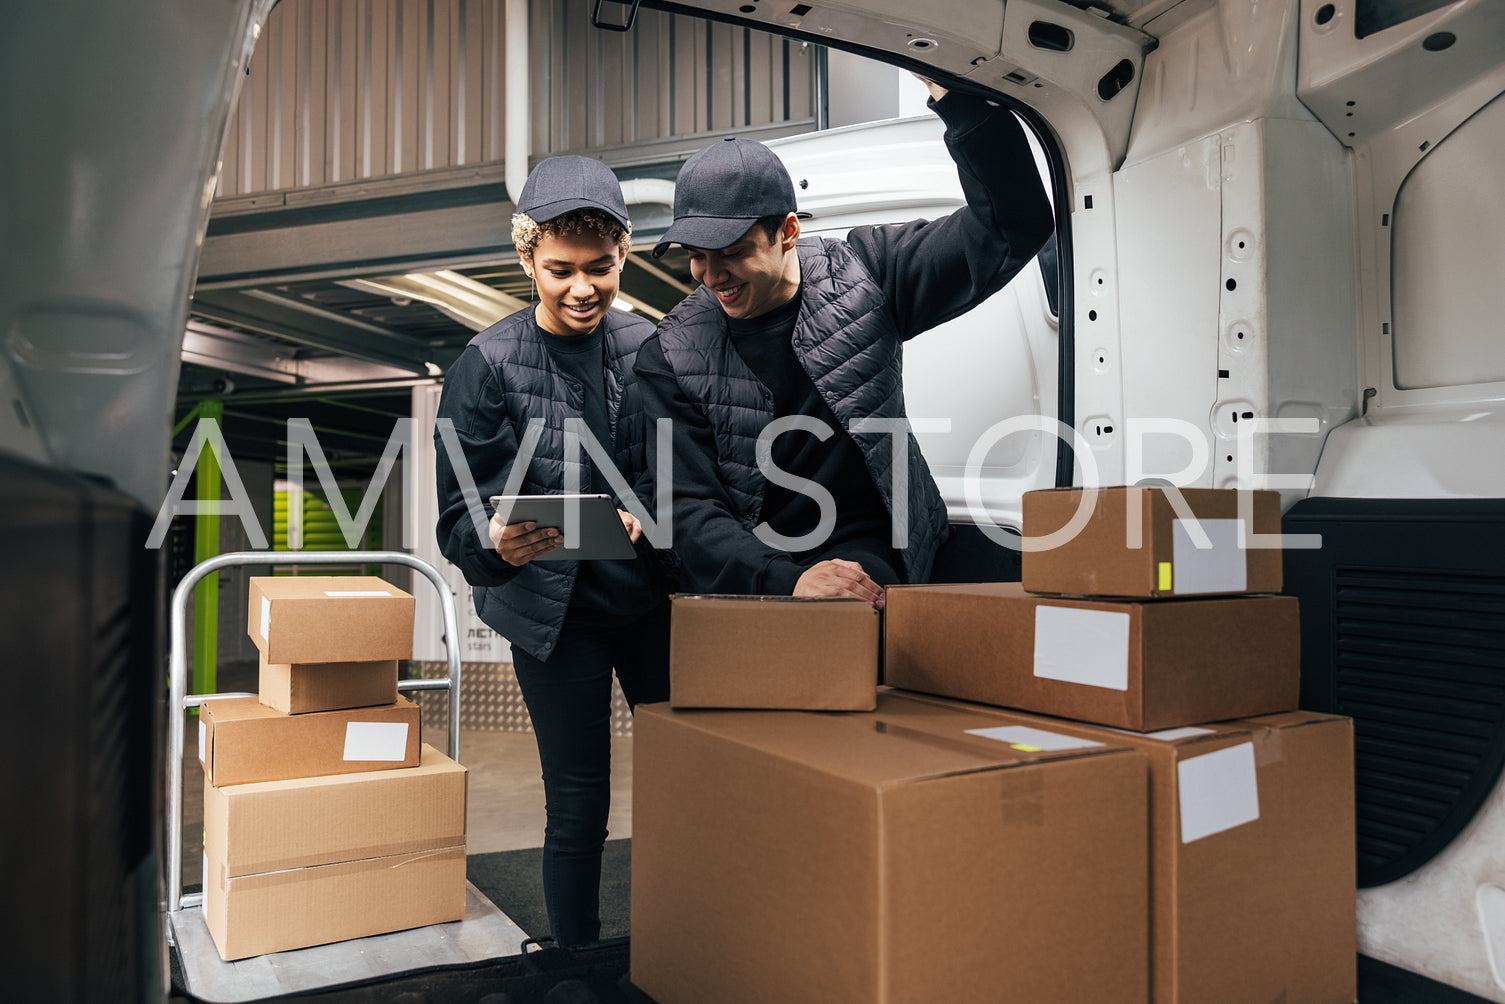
(569, 701)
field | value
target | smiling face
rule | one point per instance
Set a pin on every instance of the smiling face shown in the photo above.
(754, 275)
(578, 275)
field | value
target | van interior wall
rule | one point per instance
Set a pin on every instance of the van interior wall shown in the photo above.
(1418, 105)
(1414, 499)
(123, 148)
(1214, 306)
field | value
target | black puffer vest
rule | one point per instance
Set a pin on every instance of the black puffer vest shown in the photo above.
(529, 609)
(848, 344)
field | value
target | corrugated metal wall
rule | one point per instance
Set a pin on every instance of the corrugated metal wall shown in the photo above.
(343, 90)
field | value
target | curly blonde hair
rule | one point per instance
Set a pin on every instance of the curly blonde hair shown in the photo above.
(526, 233)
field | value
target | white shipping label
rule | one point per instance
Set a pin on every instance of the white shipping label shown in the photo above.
(1219, 791)
(356, 592)
(202, 730)
(1164, 735)
(1090, 647)
(1221, 568)
(266, 616)
(376, 740)
(1022, 737)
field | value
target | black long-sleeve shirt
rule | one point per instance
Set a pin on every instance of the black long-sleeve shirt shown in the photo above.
(487, 400)
(929, 272)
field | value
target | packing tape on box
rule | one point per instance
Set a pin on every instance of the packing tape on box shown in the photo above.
(400, 861)
(1023, 790)
(288, 876)
(411, 848)
(1269, 746)
(1022, 801)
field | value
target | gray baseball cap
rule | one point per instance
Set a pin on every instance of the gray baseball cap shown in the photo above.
(723, 190)
(562, 184)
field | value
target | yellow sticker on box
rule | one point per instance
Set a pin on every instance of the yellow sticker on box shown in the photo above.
(1165, 576)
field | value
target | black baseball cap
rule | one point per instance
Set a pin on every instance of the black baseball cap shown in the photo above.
(562, 184)
(723, 190)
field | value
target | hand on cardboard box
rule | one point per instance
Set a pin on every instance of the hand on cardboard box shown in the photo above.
(840, 579)
(520, 543)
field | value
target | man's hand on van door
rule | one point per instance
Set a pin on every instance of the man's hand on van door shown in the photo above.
(936, 90)
(842, 579)
(520, 543)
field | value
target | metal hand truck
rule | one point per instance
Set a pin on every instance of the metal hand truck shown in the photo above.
(180, 700)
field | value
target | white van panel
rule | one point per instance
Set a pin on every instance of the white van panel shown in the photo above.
(1427, 127)
(1252, 355)
(1442, 453)
(121, 124)
(1442, 920)
(1170, 345)
(18, 429)
(1448, 260)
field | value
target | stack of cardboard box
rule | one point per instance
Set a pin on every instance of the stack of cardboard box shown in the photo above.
(1100, 794)
(325, 818)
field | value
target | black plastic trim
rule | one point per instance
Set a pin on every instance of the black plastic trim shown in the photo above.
(1370, 16)
(1403, 628)
(1383, 983)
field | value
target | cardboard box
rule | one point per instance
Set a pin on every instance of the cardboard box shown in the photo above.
(242, 741)
(289, 864)
(329, 618)
(1145, 542)
(1252, 871)
(883, 857)
(774, 652)
(301, 687)
(1144, 665)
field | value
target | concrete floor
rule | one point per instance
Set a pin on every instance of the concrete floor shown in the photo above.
(506, 808)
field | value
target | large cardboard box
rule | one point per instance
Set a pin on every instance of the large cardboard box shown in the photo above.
(889, 857)
(300, 687)
(289, 864)
(1252, 871)
(242, 741)
(1143, 665)
(329, 618)
(773, 652)
(1152, 542)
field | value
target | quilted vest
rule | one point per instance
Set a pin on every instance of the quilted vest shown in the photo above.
(529, 609)
(847, 342)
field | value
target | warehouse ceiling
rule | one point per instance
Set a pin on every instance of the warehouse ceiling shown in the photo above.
(345, 352)
(331, 302)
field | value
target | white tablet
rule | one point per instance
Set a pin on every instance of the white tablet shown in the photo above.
(592, 532)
